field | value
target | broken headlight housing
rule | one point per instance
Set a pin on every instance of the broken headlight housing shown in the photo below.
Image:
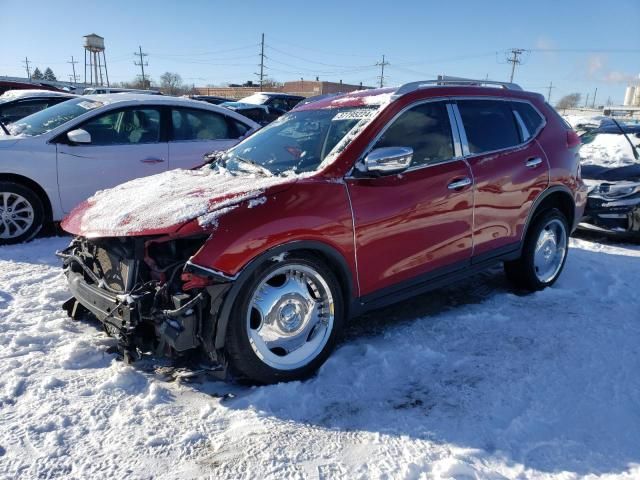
(616, 190)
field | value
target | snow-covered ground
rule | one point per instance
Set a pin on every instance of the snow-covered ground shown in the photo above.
(468, 382)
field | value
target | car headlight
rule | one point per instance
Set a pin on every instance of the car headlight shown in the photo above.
(618, 189)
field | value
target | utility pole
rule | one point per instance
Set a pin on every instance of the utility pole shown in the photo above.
(73, 65)
(261, 74)
(382, 64)
(515, 60)
(549, 92)
(142, 63)
(586, 102)
(593, 105)
(26, 64)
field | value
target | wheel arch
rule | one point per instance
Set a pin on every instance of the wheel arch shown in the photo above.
(326, 252)
(37, 189)
(558, 196)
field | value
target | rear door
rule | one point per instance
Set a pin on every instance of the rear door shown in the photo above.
(125, 144)
(196, 132)
(509, 169)
(410, 224)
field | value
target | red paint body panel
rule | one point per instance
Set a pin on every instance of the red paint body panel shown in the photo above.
(409, 224)
(311, 210)
(505, 190)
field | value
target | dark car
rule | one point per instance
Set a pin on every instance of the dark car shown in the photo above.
(274, 100)
(613, 203)
(15, 105)
(258, 113)
(6, 85)
(210, 99)
(257, 260)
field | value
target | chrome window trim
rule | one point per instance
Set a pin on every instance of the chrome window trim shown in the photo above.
(457, 146)
(371, 144)
(463, 134)
(523, 128)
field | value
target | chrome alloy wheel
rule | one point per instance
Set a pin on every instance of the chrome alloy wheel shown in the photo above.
(16, 215)
(550, 251)
(290, 317)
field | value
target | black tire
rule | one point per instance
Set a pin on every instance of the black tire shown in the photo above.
(245, 365)
(11, 190)
(522, 272)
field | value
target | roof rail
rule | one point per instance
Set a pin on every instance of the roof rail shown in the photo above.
(445, 80)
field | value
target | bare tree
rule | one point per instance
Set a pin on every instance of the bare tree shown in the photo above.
(171, 83)
(138, 84)
(568, 101)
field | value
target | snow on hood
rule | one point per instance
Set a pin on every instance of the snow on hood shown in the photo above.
(609, 150)
(160, 204)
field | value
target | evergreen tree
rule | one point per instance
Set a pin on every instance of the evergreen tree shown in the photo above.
(37, 74)
(48, 75)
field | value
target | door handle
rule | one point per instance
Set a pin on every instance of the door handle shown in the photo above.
(533, 162)
(152, 160)
(458, 184)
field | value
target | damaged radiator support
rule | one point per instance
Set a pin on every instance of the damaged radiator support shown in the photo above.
(144, 315)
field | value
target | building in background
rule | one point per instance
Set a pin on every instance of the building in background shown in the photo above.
(305, 88)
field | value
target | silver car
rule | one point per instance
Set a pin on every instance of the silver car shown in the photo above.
(54, 159)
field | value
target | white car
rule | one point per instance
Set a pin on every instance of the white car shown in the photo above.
(54, 159)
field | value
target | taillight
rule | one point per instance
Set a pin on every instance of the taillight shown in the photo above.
(573, 140)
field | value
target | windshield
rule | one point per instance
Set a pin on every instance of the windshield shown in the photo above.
(255, 99)
(52, 117)
(299, 141)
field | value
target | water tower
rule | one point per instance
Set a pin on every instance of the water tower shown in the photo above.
(97, 62)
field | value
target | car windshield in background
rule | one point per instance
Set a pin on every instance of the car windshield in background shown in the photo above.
(52, 117)
(255, 99)
(299, 141)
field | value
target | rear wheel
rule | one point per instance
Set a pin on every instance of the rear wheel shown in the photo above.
(285, 322)
(21, 213)
(544, 252)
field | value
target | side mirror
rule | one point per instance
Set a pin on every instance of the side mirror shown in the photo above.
(79, 136)
(388, 160)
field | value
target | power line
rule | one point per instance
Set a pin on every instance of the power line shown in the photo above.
(73, 65)
(382, 65)
(262, 57)
(26, 64)
(549, 92)
(142, 63)
(515, 60)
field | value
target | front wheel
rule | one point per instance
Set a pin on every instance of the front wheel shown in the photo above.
(21, 213)
(285, 321)
(544, 252)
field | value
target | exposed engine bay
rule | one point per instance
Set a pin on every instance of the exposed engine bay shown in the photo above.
(141, 292)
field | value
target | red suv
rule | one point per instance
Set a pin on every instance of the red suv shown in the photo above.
(256, 261)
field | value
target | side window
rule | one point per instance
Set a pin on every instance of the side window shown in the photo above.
(124, 127)
(192, 124)
(489, 125)
(279, 103)
(424, 128)
(529, 116)
(21, 109)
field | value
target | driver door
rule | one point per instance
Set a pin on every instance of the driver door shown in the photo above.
(418, 222)
(125, 144)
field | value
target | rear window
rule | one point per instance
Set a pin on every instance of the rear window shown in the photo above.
(489, 124)
(529, 115)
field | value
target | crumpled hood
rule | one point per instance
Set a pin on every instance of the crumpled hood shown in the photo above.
(609, 174)
(162, 204)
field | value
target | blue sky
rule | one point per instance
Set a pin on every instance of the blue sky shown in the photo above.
(577, 45)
